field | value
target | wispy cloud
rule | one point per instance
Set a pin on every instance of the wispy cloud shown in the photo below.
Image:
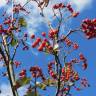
(81, 5)
(34, 19)
(3, 3)
(22, 90)
(5, 90)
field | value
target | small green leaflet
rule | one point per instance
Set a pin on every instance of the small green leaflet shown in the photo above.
(14, 42)
(31, 94)
(22, 22)
(24, 81)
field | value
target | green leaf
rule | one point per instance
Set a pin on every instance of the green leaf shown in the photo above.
(32, 94)
(22, 22)
(41, 86)
(50, 82)
(47, 82)
(14, 42)
(23, 81)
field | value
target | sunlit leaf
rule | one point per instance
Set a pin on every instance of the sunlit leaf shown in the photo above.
(50, 82)
(22, 22)
(23, 81)
(14, 42)
(32, 94)
(41, 86)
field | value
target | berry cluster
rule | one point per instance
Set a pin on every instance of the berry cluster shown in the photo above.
(17, 8)
(74, 14)
(37, 72)
(50, 70)
(22, 74)
(36, 42)
(65, 90)
(83, 59)
(69, 74)
(7, 26)
(58, 6)
(70, 43)
(84, 82)
(44, 44)
(9, 21)
(52, 33)
(17, 63)
(69, 8)
(89, 28)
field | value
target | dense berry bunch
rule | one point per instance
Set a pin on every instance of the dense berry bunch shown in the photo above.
(37, 72)
(7, 28)
(89, 28)
(52, 33)
(44, 44)
(69, 74)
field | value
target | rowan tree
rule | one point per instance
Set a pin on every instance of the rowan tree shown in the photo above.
(61, 74)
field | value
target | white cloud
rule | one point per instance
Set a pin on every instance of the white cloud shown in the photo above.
(34, 19)
(81, 5)
(22, 2)
(22, 90)
(3, 3)
(5, 90)
(9, 10)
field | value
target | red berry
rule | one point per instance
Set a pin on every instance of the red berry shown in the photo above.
(22, 74)
(75, 14)
(43, 34)
(66, 89)
(32, 36)
(50, 48)
(63, 70)
(81, 56)
(84, 66)
(40, 48)
(34, 44)
(56, 6)
(38, 39)
(75, 46)
(46, 40)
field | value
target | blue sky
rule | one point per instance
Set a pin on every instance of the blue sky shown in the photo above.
(37, 24)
